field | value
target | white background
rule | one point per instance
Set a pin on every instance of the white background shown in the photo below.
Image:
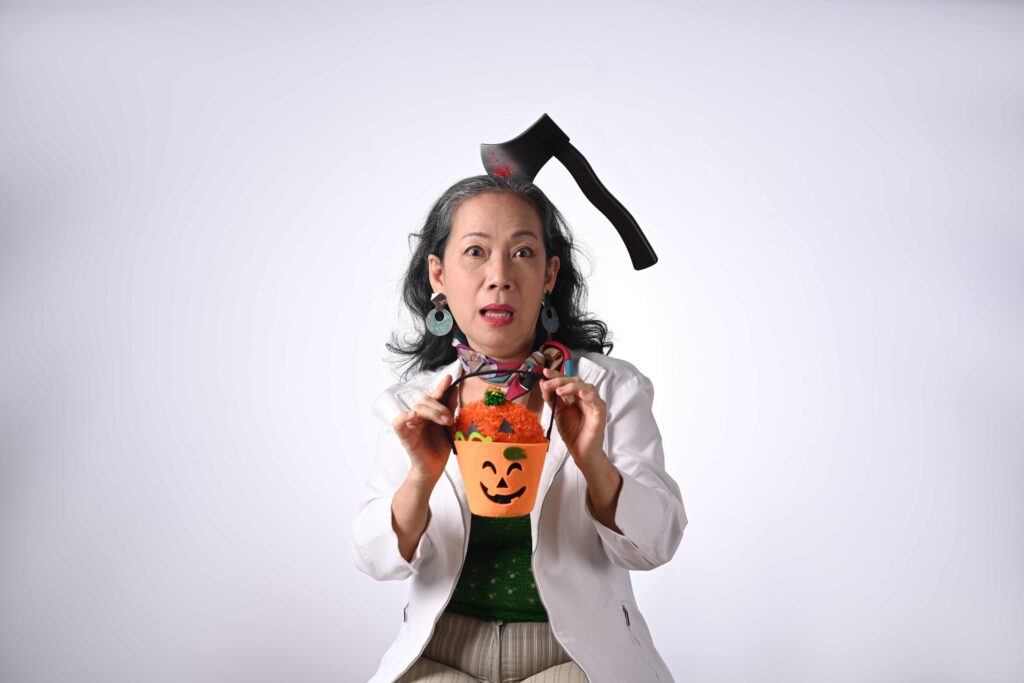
(203, 219)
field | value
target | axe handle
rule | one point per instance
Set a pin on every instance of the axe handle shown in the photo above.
(640, 251)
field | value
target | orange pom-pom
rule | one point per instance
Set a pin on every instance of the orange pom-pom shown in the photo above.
(525, 426)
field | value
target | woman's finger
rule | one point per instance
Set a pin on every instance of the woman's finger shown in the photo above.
(560, 381)
(433, 411)
(554, 379)
(567, 394)
(546, 389)
(439, 391)
(587, 393)
(568, 387)
(402, 420)
(589, 397)
(569, 390)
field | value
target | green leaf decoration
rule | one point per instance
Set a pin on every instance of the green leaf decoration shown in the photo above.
(493, 397)
(459, 436)
(514, 453)
(477, 436)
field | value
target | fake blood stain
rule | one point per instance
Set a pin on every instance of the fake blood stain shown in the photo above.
(500, 166)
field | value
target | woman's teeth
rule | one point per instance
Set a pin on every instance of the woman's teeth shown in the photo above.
(498, 314)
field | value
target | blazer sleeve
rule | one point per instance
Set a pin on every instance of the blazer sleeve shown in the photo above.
(650, 509)
(375, 543)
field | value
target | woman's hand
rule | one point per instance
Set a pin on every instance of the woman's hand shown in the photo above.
(580, 415)
(421, 432)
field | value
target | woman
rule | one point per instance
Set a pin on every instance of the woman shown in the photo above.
(546, 596)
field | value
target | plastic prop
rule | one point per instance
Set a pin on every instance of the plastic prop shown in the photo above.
(526, 154)
(500, 447)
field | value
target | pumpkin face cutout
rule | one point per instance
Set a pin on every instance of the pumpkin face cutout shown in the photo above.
(509, 494)
(495, 485)
(501, 449)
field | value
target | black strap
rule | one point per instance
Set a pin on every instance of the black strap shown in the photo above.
(536, 375)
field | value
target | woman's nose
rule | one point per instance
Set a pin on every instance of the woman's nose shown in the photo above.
(498, 276)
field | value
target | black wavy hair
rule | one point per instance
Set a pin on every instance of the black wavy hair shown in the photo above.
(425, 351)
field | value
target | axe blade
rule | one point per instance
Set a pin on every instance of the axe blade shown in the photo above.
(524, 155)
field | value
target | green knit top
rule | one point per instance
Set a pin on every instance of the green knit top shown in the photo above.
(497, 583)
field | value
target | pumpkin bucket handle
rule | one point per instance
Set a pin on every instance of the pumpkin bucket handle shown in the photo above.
(535, 375)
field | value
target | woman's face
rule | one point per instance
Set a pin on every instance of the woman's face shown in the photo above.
(495, 255)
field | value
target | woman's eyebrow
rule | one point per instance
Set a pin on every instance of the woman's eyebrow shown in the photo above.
(521, 233)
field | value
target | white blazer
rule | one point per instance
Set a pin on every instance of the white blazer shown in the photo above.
(580, 566)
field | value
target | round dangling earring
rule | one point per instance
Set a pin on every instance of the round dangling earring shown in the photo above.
(548, 314)
(439, 321)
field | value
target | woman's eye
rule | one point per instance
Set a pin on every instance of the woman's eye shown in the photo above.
(477, 251)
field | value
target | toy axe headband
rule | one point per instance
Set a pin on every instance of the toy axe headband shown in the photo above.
(525, 155)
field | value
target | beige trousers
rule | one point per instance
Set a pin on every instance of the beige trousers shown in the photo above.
(468, 650)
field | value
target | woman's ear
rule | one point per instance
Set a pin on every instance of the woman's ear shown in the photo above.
(552, 274)
(435, 271)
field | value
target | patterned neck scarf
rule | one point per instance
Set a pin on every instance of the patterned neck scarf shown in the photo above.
(551, 354)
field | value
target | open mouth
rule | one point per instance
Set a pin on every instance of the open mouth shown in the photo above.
(497, 318)
(500, 499)
(497, 315)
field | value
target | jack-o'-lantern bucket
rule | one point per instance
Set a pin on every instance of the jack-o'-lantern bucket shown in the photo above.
(501, 479)
(500, 447)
